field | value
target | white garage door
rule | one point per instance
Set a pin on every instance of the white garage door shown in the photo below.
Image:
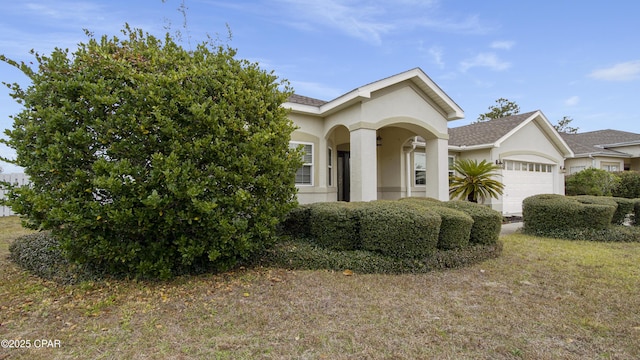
(523, 179)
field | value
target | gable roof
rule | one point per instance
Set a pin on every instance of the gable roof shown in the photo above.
(303, 104)
(485, 132)
(492, 133)
(601, 142)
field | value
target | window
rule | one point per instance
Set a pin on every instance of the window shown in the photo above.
(304, 175)
(575, 169)
(610, 166)
(329, 167)
(420, 167)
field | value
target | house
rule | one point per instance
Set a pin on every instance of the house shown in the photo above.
(526, 146)
(610, 150)
(360, 146)
(391, 139)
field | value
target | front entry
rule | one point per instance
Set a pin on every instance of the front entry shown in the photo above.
(344, 180)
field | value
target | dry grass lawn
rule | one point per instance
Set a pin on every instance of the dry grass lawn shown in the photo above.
(542, 299)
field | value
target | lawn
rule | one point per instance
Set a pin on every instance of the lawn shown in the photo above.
(542, 299)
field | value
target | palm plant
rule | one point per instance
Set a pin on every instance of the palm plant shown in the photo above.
(473, 181)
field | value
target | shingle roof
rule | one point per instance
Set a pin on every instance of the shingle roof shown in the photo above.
(593, 142)
(305, 100)
(485, 132)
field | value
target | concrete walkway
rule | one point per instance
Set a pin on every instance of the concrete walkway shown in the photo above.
(510, 228)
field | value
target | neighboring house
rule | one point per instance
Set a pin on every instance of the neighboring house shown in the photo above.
(528, 148)
(360, 146)
(610, 150)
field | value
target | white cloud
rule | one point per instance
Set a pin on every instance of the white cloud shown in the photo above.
(572, 101)
(372, 20)
(626, 71)
(503, 45)
(488, 60)
(436, 53)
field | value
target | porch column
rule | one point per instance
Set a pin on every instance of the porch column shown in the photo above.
(437, 151)
(364, 160)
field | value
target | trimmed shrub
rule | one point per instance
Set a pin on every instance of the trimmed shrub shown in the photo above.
(307, 256)
(487, 222)
(625, 208)
(399, 229)
(297, 222)
(335, 225)
(549, 213)
(455, 229)
(629, 185)
(40, 253)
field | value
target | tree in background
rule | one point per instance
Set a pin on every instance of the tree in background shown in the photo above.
(474, 181)
(152, 160)
(563, 126)
(503, 108)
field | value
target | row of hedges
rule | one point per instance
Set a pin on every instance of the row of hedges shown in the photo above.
(411, 228)
(598, 217)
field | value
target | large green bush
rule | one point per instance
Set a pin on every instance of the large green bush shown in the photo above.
(398, 229)
(591, 181)
(487, 222)
(549, 213)
(150, 159)
(629, 185)
(455, 229)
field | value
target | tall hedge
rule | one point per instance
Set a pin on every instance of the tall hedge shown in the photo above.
(150, 159)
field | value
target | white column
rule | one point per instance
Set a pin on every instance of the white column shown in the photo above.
(437, 151)
(364, 175)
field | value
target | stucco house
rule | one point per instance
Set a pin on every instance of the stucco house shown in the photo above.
(526, 146)
(610, 150)
(391, 139)
(360, 146)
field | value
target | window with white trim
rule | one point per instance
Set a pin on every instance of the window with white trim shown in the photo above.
(304, 175)
(420, 168)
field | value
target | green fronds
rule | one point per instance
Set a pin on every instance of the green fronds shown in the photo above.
(474, 181)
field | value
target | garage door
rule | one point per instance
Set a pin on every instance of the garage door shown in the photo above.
(524, 179)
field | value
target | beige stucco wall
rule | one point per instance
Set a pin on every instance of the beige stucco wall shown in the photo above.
(396, 114)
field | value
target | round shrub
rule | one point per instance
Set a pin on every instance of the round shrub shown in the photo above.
(40, 253)
(335, 225)
(455, 229)
(487, 222)
(549, 213)
(149, 159)
(629, 185)
(398, 229)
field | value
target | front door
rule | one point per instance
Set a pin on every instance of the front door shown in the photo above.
(344, 181)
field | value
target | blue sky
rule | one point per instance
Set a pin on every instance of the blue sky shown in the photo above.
(566, 58)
